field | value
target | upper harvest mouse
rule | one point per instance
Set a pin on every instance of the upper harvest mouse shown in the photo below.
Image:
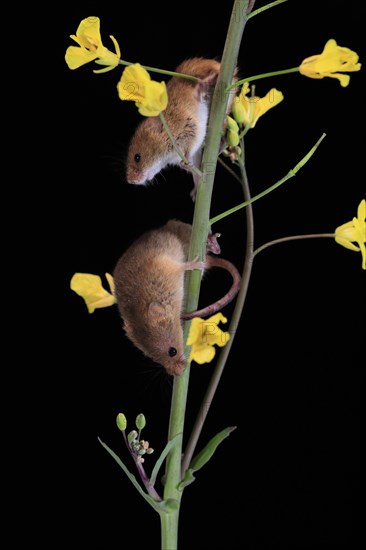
(150, 149)
(149, 289)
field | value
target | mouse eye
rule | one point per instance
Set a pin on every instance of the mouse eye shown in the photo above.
(172, 352)
(137, 157)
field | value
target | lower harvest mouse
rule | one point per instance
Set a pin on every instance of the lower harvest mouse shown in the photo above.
(149, 290)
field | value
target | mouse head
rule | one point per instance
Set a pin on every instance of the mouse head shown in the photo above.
(161, 338)
(147, 151)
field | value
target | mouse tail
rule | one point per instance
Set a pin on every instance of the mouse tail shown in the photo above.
(226, 299)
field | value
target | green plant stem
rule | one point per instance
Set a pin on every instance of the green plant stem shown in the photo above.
(263, 75)
(162, 71)
(219, 367)
(198, 244)
(289, 175)
(229, 169)
(293, 238)
(169, 530)
(264, 8)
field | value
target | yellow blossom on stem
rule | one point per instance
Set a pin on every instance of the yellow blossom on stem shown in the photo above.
(150, 97)
(255, 107)
(203, 335)
(90, 288)
(333, 59)
(91, 47)
(354, 232)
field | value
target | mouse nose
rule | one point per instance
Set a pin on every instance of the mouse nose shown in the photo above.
(134, 175)
(176, 368)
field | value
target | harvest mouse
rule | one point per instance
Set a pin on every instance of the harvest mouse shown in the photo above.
(149, 289)
(150, 149)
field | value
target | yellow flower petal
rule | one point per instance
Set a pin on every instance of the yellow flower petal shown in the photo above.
(353, 232)
(150, 97)
(90, 288)
(76, 57)
(202, 354)
(203, 335)
(88, 33)
(347, 244)
(91, 47)
(156, 99)
(361, 211)
(110, 281)
(332, 62)
(131, 87)
(255, 107)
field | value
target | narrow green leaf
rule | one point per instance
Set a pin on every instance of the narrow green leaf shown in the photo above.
(204, 456)
(162, 457)
(159, 506)
(187, 480)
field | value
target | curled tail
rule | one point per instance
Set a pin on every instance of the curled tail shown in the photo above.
(227, 298)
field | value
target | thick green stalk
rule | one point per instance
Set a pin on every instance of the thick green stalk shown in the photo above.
(169, 530)
(212, 146)
(169, 525)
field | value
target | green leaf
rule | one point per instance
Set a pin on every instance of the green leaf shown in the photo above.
(159, 506)
(204, 456)
(187, 480)
(162, 457)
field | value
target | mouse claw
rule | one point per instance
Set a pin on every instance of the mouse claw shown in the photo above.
(212, 244)
(195, 264)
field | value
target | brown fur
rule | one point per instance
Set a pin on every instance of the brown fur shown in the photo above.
(149, 287)
(186, 114)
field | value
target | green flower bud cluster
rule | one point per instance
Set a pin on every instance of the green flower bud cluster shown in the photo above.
(137, 446)
(232, 132)
(234, 124)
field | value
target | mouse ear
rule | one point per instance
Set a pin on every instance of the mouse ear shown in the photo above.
(158, 313)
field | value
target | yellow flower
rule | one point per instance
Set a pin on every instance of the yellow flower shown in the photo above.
(203, 334)
(354, 231)
(254, 107)
(150, 97)
(90, 288)
(91, 47)
(333, 58)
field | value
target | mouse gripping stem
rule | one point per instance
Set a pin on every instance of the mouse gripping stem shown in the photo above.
(227, 298)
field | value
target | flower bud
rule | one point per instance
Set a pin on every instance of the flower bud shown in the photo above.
(231, 124)
(232, 138)
(121, 422)
(132, 436)
(140, 421)
(238, 111)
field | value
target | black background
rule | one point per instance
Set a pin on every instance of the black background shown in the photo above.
(290, 474)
